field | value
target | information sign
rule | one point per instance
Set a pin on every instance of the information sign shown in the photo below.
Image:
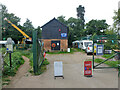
(58, 69)
(88, 68)
(99, 50)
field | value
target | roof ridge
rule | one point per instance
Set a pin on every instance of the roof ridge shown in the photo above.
(52, 20)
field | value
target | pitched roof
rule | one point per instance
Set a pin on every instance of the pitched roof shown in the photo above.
(52, 20)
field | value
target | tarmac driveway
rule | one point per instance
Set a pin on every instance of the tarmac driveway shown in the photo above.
(73, 75)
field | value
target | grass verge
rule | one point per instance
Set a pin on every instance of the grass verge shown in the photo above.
(42, 69)
(17, 61)
(110, 63)
(62, 52)
(108, 55)
(78, 50)
(72, 50)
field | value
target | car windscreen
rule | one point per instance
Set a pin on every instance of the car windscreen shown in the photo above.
(90, 45)
(86, 43)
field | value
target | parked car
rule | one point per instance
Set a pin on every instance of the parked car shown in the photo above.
(75, 44)
(84, 43)
(89, 49)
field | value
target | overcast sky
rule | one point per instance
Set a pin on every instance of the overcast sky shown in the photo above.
(41, 11)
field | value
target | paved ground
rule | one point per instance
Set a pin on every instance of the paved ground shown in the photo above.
(73, 74)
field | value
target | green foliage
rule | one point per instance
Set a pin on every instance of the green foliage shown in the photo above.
(98, 60)
(116, 19)
(72, 50)
(110, 31)
(62, 52)
(62, 19)
(94, 26)
(28, 27)
(29, 54)
(76, 25)
(3, 50)
(108, 55)
(45, 62)
(10, 31)
(39, 31)
(5, 81)
(110, 63)
(41, 69)
(80, 15)
(75, 28)
(78, 50)
(109, 44)
(16, 59)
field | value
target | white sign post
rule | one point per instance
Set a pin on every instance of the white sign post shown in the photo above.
(58, 69)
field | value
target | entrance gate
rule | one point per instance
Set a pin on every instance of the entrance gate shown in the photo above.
(38, 56)
(111, 38)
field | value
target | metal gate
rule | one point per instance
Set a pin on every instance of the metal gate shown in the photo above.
(38, 57)
(110, 38)
(55, 45)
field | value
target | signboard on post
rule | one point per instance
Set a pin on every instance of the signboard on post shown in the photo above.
(58, 69)
(99, 50)
(63, 34)
(95, 46)
(9, 45)
(88, 68)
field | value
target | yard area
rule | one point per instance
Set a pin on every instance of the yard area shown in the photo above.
(73, 75)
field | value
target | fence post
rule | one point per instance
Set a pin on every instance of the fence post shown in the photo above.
(0, 46)
(35, 65)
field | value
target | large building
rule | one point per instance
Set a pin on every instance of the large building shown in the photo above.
(55, 36)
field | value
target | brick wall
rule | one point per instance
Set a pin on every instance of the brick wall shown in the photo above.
(63, 44)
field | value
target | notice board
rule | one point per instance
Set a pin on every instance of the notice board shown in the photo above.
(99, 50)
(58, 69)
(88, 68)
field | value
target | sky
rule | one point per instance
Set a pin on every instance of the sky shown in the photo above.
(42, 11)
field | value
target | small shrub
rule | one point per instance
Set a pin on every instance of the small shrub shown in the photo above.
(45, 62)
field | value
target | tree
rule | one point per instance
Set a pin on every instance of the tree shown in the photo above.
(116, 24)
(8, 30)
(71, 36)
(28, 27)
(110, 31)
(39, 31)
(95, 26)
(80, 15)
(62, 19)
(76, 26)
(116, 19)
